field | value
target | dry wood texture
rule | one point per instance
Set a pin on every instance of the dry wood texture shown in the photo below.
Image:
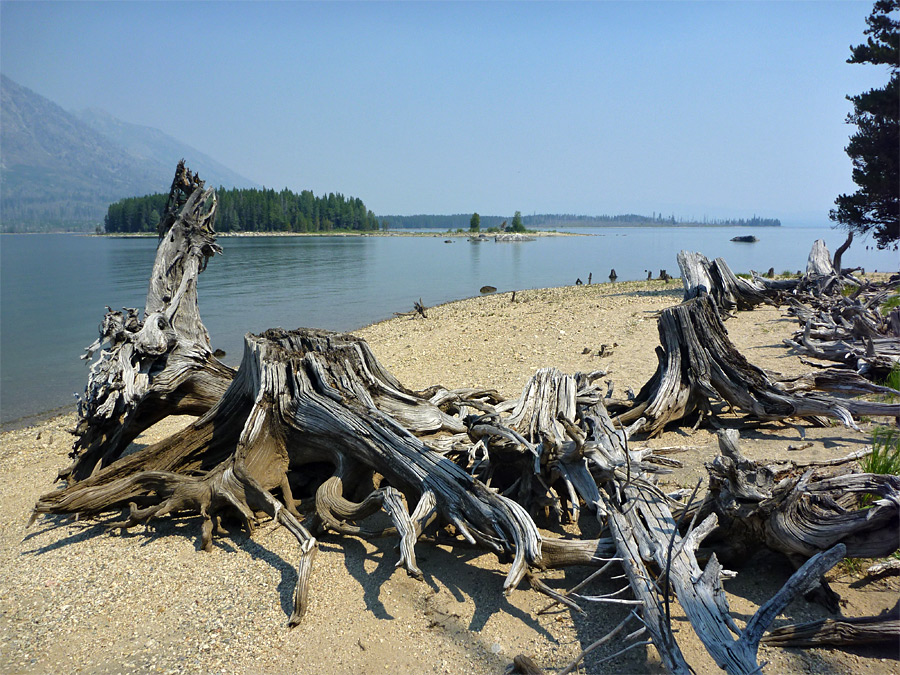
(801, 511)
(699, 365)
(884, 629)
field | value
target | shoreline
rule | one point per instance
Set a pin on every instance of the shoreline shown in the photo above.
(37, 418)
(635, 286)
(371, 233)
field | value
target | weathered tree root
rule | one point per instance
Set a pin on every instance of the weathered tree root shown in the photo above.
(699, 364)
(161, 365)
(800, 512)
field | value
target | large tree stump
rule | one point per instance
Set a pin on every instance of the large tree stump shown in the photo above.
(161, 364)
(300, 399)
(698, 364)
(730, 292)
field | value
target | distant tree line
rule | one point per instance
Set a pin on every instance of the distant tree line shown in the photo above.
(265, 210)
(547, 221)
(458, 221)
(253, 210)
(633, 219)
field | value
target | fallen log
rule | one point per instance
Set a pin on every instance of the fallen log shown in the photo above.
(840, 380)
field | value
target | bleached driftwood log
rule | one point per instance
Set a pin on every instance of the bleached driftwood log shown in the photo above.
(852, 631)
(161, 363)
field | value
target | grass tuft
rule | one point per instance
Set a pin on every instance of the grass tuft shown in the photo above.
(890, 303)
(885, 457)
(893, 378)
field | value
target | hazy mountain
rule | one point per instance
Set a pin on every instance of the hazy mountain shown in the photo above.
(152, 145)
(57, 172)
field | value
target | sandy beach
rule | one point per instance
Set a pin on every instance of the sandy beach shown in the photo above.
(75, 598)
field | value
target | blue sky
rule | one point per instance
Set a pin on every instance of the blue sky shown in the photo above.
(713, 109)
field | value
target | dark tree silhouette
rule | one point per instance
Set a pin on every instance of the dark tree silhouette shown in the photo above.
(875, 148)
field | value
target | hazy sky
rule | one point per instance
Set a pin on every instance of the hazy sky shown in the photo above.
(693, 108)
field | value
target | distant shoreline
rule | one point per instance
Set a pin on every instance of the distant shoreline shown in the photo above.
(435, 232)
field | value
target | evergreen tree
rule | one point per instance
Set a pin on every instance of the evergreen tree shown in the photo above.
(875, 148)
(517, 225)
(475, 223)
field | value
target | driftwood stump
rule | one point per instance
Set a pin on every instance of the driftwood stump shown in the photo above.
(698, 365)
(160, 364)
(730, 292)
(801, 511)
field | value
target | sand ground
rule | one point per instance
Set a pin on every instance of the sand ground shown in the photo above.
(75, 598)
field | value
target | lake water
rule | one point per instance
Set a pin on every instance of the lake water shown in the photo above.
(53, 288)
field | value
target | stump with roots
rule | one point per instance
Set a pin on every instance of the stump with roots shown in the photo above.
(699, 365)
(160, 364)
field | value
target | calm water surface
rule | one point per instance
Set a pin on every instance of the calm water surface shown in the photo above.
(53, 288)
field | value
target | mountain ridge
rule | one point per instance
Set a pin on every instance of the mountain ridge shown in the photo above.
(58, 172)
(151, 144)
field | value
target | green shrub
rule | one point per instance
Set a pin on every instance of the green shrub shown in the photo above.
(890, 303)
(893, 378)
(885, 457)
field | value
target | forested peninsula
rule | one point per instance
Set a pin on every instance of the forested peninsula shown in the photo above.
(252, 210)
